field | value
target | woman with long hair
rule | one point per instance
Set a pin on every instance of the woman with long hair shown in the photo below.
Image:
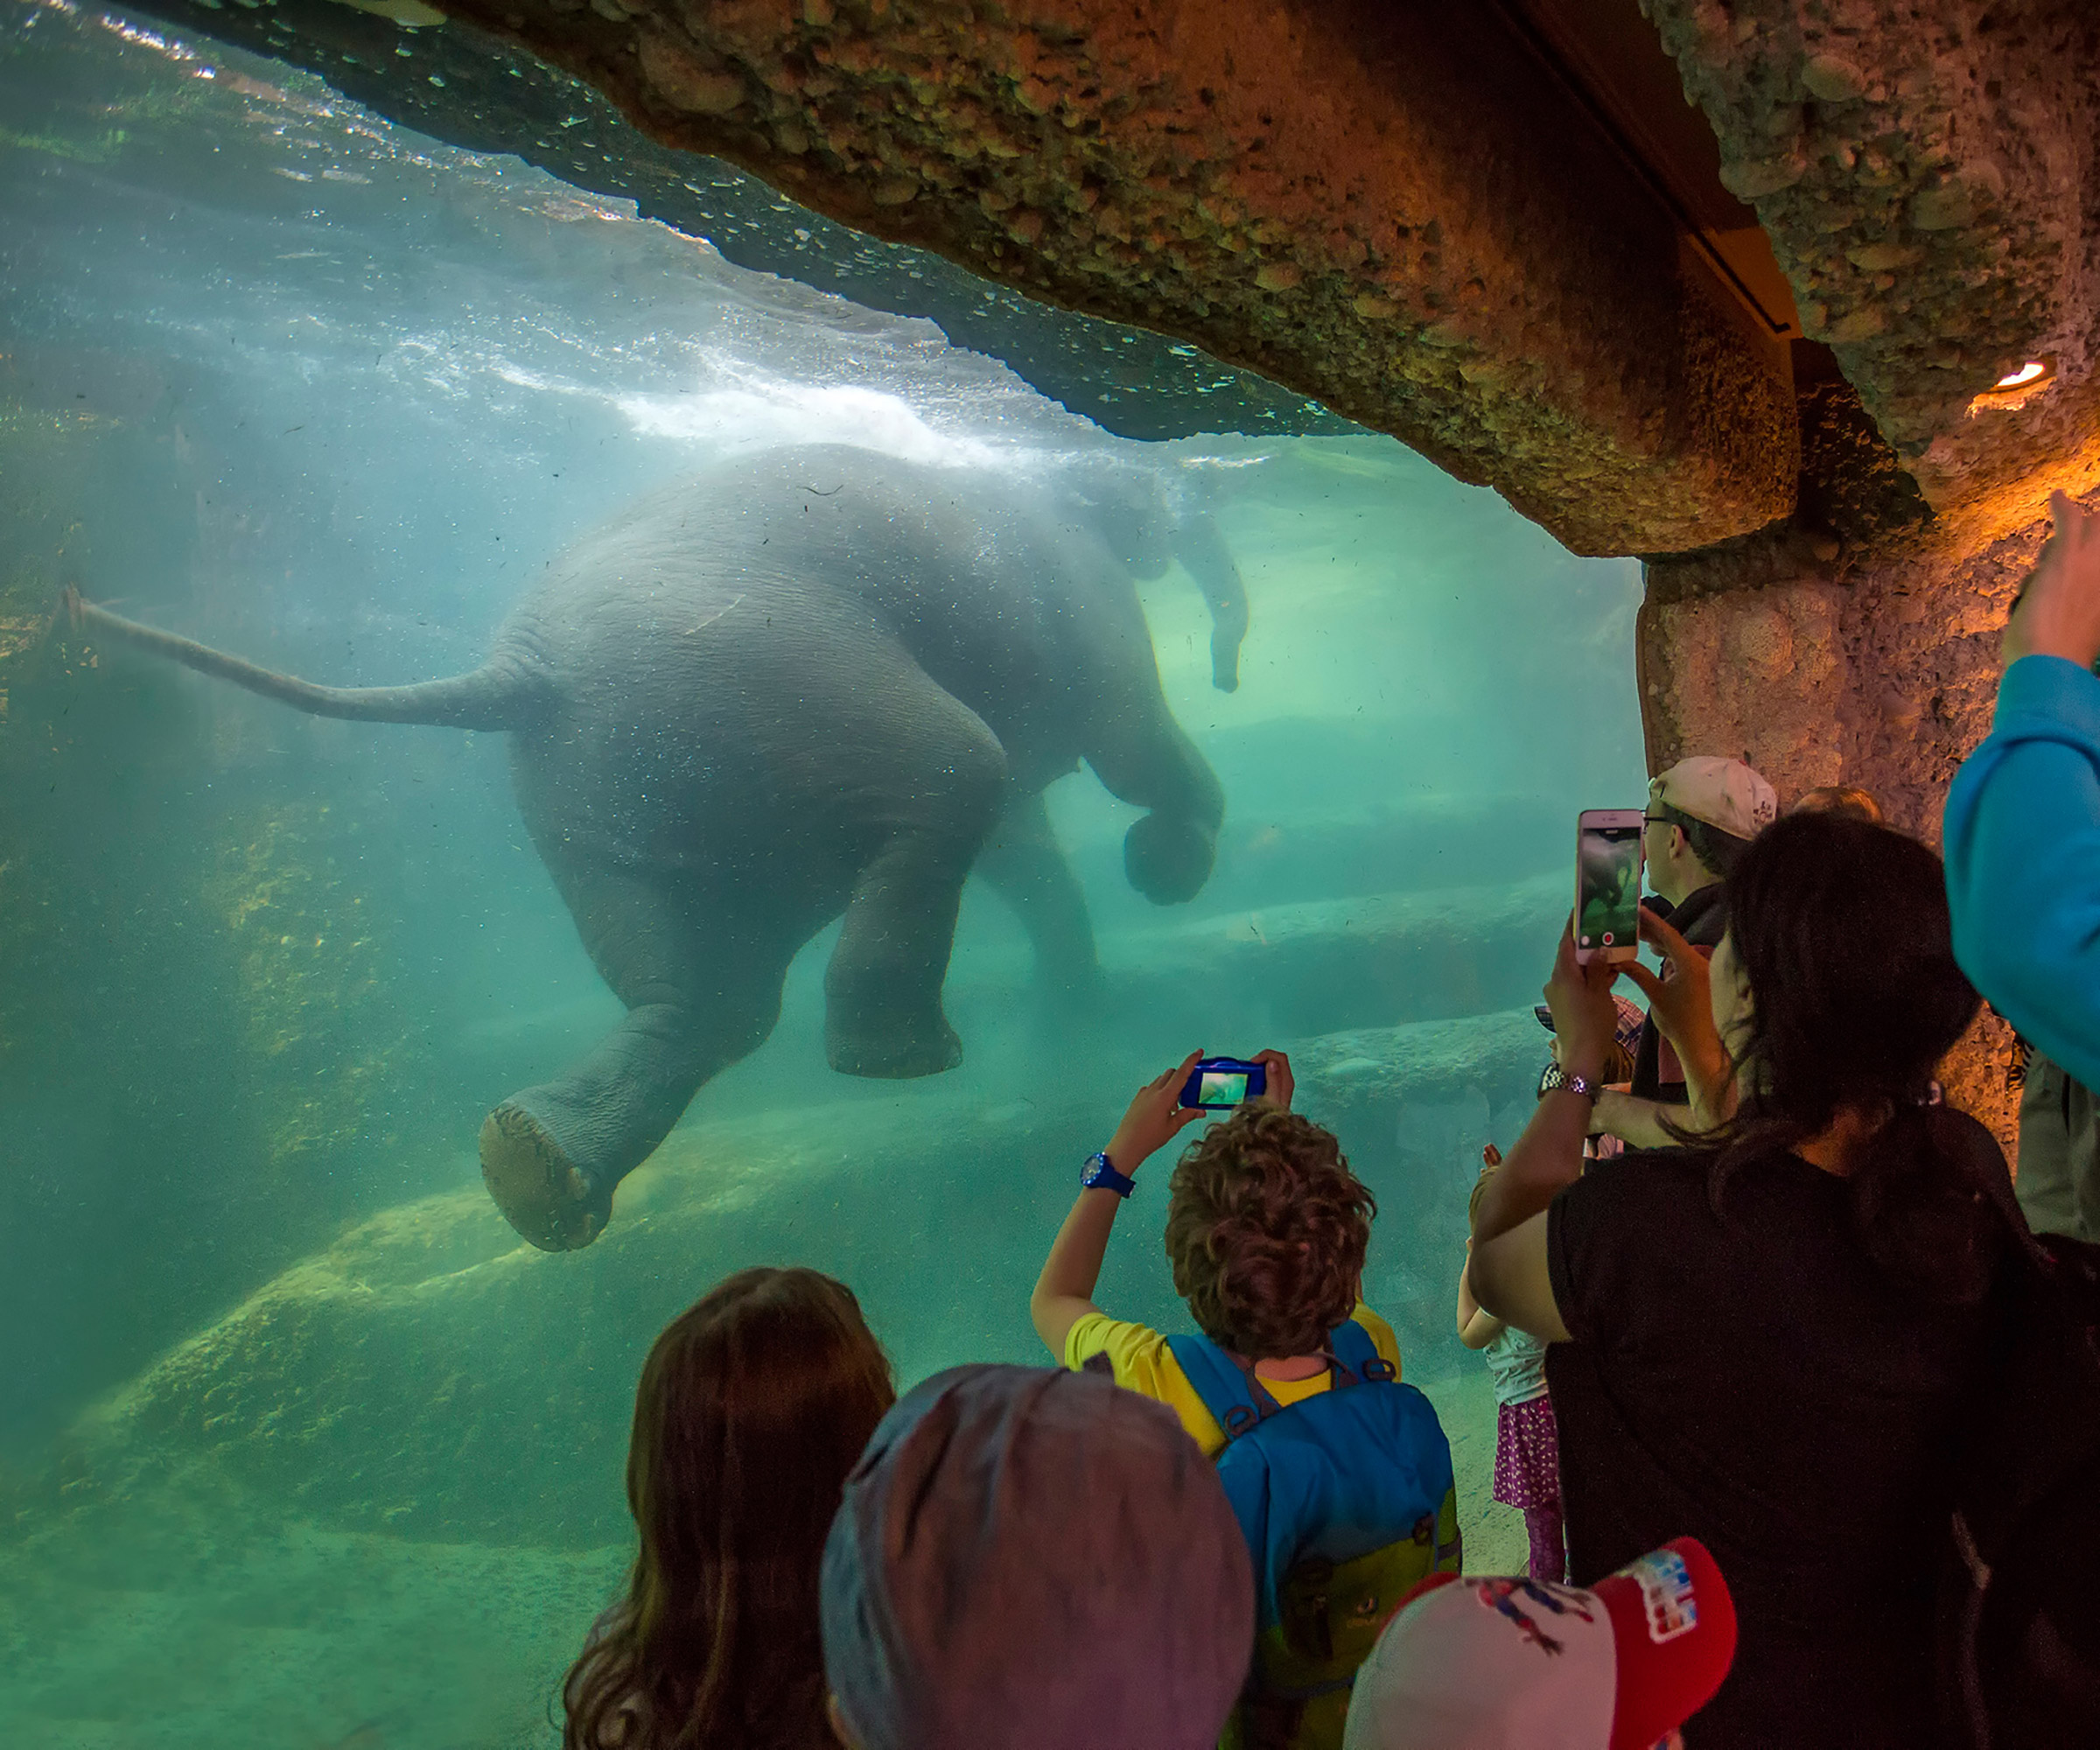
(1764, 1338)
(753, 1405)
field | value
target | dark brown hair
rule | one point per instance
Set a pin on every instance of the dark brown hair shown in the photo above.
(1266, 1229)
(1842, 931)
(753, 1405)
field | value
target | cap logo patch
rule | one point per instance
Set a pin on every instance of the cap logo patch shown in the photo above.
(1506, 1599)
(1665, 1584)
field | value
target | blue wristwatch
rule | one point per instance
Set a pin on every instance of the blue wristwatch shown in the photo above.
(1099, 1175)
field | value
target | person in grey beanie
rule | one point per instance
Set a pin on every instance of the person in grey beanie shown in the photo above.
(1035, 1559)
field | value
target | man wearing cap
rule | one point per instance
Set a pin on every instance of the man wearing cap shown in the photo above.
(1702, 814)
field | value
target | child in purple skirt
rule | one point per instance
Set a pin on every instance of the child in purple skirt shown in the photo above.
(1527, 1446)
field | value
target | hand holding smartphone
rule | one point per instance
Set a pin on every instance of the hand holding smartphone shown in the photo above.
(1607, 885)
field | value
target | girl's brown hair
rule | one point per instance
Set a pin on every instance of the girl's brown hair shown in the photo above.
(752, 1406)
(1266, 1230)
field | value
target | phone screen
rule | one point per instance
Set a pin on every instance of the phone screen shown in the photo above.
(1609, 862)
(1221, 1088)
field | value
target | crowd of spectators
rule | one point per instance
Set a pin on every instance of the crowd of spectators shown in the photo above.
(1740, 1364)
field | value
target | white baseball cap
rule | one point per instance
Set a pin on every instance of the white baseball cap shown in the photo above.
(1519, 1665)
(1725, 793)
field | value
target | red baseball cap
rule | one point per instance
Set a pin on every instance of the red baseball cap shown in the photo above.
(1519, 1665)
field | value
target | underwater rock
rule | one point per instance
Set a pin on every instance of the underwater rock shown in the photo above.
(1378, 960)
(1493, 1058)
(430, 1374)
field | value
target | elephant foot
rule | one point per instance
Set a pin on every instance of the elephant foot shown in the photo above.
(542, 1193)
(894, 1054)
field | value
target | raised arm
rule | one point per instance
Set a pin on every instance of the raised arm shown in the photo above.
(2022, 828)
(1682, 1008)
(1508, 1269)
(1064, 1291)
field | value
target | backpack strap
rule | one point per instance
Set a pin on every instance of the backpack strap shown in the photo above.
(1226, 1385)
(1356, 1357)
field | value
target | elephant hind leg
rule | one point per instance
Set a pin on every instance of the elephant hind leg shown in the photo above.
(701, 994)
(928, 801)
(542, 1194)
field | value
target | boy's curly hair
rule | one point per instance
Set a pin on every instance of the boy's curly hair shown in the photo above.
(1266, 1231)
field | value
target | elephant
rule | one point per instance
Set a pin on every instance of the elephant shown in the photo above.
(800, 684)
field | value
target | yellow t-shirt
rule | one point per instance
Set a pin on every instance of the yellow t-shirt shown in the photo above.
(1142, 1363)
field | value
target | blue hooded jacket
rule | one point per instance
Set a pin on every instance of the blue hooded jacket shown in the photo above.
(2022, 839)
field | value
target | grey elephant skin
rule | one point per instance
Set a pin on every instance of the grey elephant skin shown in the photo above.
(803, 683)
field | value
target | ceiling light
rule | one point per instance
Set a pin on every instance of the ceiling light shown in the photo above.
(2025, 377)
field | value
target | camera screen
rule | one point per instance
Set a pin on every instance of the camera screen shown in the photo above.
(1221, 1088)
(1609, 862)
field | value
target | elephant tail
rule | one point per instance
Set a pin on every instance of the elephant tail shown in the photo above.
(496, 696)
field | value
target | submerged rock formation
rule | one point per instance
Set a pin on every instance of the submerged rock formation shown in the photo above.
(1333, 964)
(429, 1375)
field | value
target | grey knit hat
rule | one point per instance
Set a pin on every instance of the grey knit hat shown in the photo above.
(1039, 1560)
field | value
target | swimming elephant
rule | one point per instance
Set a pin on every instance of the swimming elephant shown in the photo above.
(803, 683)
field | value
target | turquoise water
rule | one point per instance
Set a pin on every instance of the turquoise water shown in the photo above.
(300, 1446)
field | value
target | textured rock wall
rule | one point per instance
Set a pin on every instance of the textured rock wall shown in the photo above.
(1391, 209)
(1926, 172)
(1878, 670)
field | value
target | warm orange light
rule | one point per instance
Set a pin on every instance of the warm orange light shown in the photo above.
(2033, 372)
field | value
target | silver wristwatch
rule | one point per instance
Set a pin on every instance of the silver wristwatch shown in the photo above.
(1582, 1085)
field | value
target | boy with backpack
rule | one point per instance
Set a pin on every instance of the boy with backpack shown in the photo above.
(1339, 1475)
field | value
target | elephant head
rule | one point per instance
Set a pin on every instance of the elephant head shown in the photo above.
(1147, 527)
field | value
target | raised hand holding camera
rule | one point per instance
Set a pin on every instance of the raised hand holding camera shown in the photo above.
(1154, 1117)
(1196, 1088)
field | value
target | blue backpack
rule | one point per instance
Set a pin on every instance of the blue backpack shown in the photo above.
(1347, 1502)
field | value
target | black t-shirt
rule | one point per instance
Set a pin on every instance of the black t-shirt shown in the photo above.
(1759, 1384)
(1702, 920)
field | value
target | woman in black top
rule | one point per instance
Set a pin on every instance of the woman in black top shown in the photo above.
(1764, 1338)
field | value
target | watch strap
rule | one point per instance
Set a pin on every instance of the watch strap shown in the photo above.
(1100, 1174)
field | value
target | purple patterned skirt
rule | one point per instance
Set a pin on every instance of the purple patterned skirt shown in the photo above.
(1527, 1454)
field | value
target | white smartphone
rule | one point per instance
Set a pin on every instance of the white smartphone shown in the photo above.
(1607, 883)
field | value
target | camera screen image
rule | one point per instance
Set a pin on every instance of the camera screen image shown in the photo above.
(1610, 866)
(1221, 1088)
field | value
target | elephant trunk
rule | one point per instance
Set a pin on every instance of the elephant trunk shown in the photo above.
(493, 697)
